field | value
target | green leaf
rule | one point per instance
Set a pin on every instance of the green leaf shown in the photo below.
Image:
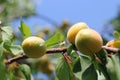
(90, 73)
(55, 39)
(85, 63)
(76, 65)
(113, 67)
(3, 71)
(25, 30)
(1, 50)
(7, 35)
(26, 71)
(103, 69)
(69, 50)
(12, 74)
(116, 35)
(102, 55)
(63, 71)
(16, 49)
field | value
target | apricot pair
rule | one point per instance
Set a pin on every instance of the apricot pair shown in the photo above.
(86, 40)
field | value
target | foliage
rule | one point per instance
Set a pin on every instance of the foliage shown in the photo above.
(13, 9)
(55, 39)
(72, 65)
(63, 70)
(25, 30)
(116, 22)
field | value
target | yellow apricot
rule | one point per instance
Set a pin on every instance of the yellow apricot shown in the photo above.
(113, 43)
(34, 47)
(88, 41)
(71, 34)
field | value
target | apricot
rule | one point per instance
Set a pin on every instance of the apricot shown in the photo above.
(88, 41)
(113, 43)
(71, 34)
(44, 61)
(34, 47)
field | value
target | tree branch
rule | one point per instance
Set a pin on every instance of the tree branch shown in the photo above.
(110, 49)
(57, 50)
(49, 51)
(16, 58)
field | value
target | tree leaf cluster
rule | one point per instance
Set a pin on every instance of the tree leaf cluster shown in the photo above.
(13, 9)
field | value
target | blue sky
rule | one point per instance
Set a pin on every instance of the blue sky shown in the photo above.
(94, 12)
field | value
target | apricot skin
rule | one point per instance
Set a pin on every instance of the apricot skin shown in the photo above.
(34, 47)
(88, 41)
(71, 34)
(113, 44)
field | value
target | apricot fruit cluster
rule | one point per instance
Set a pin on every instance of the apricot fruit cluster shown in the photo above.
(34, 47)
(71, 34)
(85, 39)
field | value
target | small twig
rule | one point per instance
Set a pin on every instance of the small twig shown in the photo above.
(16, 58)
(57, 50)
(110, 49)
(67, 58)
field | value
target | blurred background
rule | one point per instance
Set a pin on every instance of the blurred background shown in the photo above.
(45, 17)
(102, 16)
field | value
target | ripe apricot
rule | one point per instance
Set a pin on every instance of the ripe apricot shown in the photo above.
(88, 41)
(113, 43)
(71, 34)
(34, 47)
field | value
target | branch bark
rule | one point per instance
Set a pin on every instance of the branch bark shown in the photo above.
(57, 50)
(110, 49)
(49, 51)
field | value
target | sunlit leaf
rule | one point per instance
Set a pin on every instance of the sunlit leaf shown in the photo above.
(85, 63)
(26, 71)
(90, 74)
(7, 35)
(63, 71)
(25, 30)
(113, 67)
(55, 39)
(16, 49)
(104, 71)
(77, 65)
